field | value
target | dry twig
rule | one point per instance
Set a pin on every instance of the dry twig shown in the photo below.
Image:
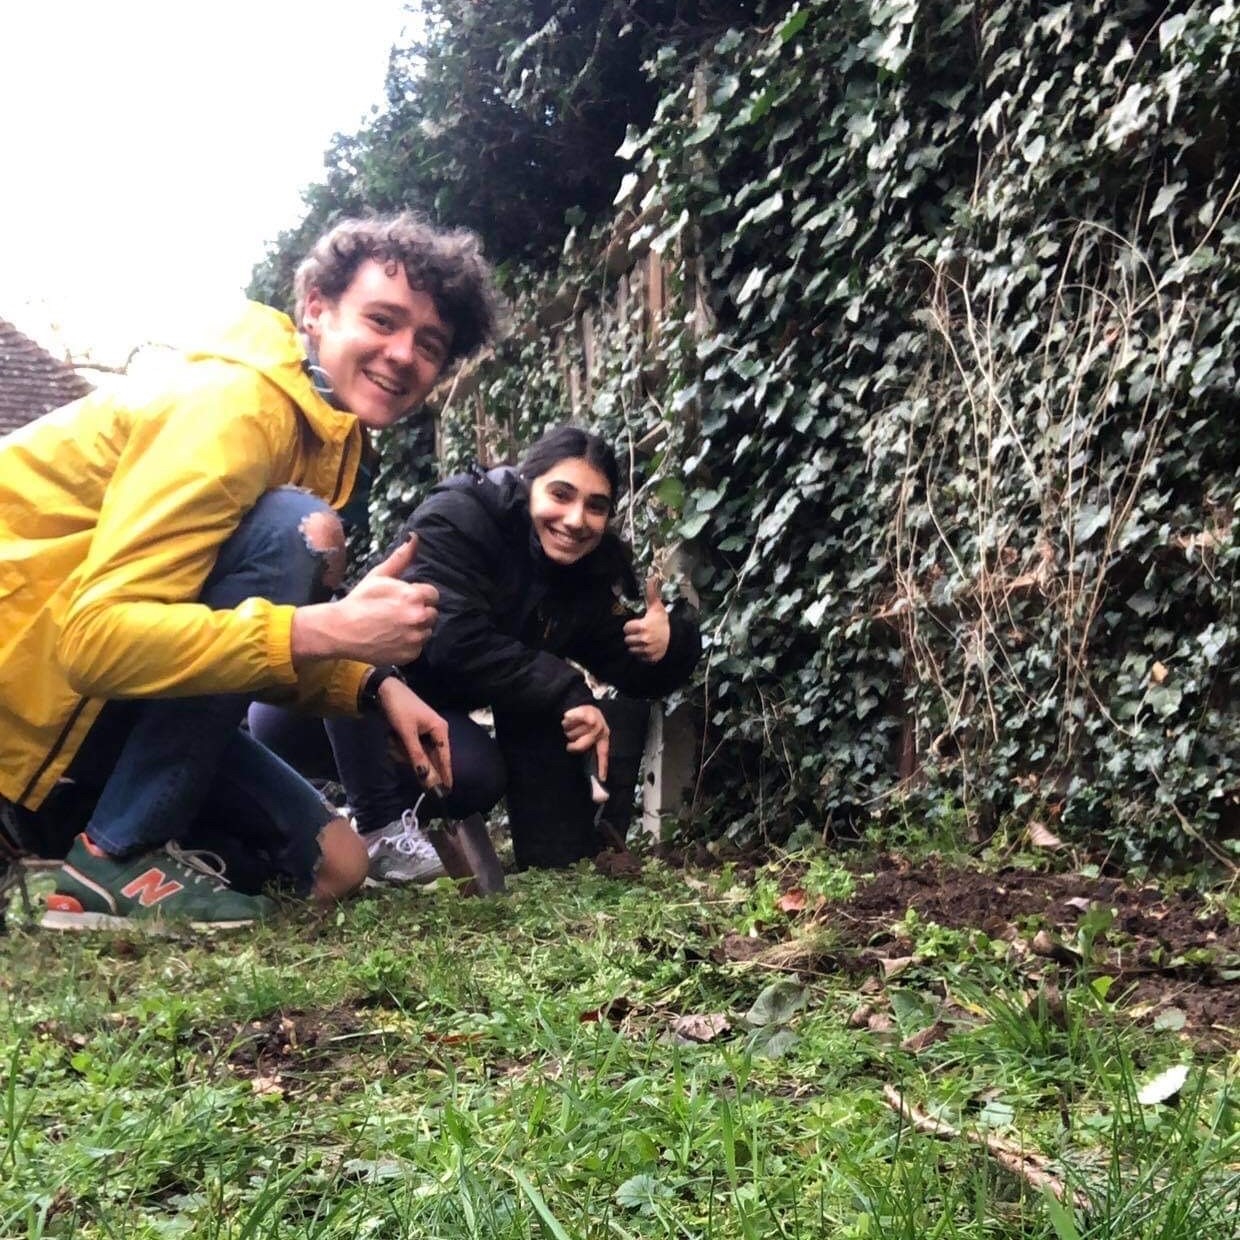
(1032, 1168)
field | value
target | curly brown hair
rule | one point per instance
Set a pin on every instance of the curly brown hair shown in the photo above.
(446, 263)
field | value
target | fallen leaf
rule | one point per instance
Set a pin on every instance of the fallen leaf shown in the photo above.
(701, 1028)
(928, 1036)
(861, 1016)
(737, 947)
(1080, 903)
(893, 966)
(1158, 673)
(267, 1085)
(792, 901)
(1041, 837)
(456, 1039)
(373, 1170)
(1043, 944)
(879, 1022)
(614, 1011)
(1164, 1086)
(1171, 1020)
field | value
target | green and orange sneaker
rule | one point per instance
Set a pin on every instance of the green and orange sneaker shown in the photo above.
(174, 885)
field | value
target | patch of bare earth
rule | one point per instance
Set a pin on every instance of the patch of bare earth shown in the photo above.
(290, 1052)
(1164, 951)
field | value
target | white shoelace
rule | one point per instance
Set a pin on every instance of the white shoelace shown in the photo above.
(208, 864)
(413, 843)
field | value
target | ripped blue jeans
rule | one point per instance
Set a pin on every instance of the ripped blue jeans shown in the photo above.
(183, 769)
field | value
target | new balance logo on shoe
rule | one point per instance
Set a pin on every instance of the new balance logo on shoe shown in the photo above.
(152, 887)
(97, 892)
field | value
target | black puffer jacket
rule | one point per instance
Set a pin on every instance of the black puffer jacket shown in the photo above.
(509, 617)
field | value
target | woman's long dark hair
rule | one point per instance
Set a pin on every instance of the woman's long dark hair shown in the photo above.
(562, 443)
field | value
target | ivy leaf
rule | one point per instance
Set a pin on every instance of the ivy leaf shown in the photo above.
(996, 1114)
(1170, 30)
(1165, 197)
(1128, 115)
(772, 1041)
(763, 211)
(641, 1193)
(793, 26)
(753, 282)
(631, 145)
(705, 127)
(1090, 520)
(627, 186)
(671, 492)
(693, 525)
(777, 1004)
(729, 84)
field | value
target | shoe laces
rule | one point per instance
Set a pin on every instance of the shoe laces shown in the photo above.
(412, 843)
(204, 865)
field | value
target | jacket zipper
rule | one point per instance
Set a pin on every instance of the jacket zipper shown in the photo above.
(52, 753)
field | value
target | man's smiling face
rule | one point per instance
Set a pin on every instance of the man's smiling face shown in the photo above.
(382, 344)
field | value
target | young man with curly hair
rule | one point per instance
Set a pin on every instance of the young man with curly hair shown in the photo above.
(167, 555)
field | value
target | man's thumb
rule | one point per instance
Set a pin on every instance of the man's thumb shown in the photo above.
(399, 562)
(653, 597)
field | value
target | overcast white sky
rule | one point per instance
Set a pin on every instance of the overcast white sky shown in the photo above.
(151, 148)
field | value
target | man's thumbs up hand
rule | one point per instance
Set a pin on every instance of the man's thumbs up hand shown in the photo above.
(383, 619)
(648, 637)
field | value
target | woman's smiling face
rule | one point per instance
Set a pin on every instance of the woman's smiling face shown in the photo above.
(569, 506)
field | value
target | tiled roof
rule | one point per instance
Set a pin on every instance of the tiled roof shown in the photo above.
(32, 381)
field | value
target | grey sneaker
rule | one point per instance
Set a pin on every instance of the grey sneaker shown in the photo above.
(401, 853)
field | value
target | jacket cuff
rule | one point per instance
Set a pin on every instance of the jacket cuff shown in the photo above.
(345, 686)
(577, 694)
(280, 644)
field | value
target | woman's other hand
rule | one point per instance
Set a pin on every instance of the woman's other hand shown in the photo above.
(586, 729)
(422, 731)
(649, 636)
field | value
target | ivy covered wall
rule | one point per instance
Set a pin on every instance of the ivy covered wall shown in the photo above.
(917, 324)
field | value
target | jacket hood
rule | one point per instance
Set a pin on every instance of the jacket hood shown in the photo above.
(267, 341)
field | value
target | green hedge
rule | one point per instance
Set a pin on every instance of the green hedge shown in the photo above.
(948, 395)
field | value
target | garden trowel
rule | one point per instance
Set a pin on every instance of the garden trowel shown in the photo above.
(466, 851)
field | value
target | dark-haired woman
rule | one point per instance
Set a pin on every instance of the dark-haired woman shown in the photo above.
(530, 577)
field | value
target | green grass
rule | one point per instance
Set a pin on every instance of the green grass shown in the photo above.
(434, 1077)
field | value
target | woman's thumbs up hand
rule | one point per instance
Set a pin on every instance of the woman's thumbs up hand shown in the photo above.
(648, 636)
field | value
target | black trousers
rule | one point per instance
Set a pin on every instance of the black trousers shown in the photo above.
(550, 814)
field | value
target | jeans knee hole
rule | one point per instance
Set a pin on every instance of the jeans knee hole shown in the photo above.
(324, 539)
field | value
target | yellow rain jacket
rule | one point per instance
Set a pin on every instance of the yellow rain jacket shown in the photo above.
(112, 513)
